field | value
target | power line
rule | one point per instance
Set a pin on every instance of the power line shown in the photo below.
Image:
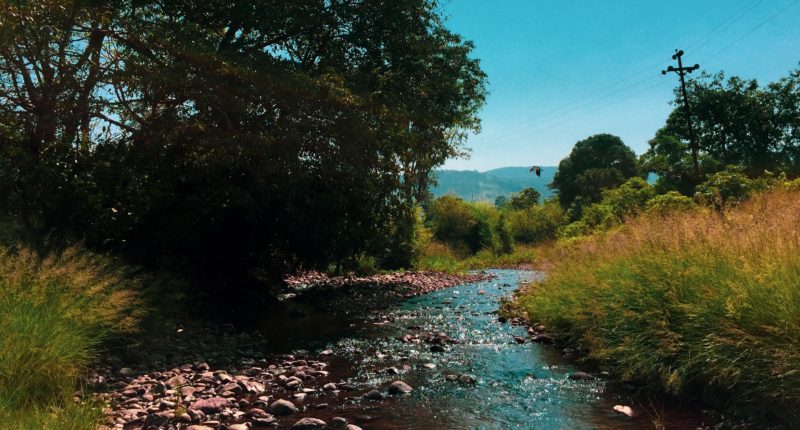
(554, 113)
(753, 30)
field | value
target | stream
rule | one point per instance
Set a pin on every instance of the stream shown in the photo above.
(516, 386)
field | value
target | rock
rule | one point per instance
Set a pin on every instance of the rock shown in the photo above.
(429, 366)
(326, 353)
(309, 424)
(211, 405)
(542, 338)
(374, 395)
(238, 427)
(393, 371)
(580, 376)
(199, 427)
(176, 381)
(519, 339)
(437, 348)
(624, 410)
(352, 427)
(155, 420)
(400, 387)
(282, 407)
(330, 386)
(265, 421)
(338, 423)
(466, 379)
(125, 371)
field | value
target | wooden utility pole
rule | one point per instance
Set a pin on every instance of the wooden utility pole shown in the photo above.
(683, 71)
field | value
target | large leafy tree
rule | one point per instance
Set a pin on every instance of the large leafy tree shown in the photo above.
(737, 122)
(229, 135)
(595, 164)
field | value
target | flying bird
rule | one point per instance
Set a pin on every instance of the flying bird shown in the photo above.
(537, 170)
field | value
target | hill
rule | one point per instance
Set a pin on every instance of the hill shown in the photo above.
(477, 186)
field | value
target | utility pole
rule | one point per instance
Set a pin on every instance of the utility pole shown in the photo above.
(683, 71)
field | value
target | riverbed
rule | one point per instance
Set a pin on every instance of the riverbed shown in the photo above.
(516, 385)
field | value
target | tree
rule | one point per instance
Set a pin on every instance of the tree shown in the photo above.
(737, 123)
(595, 164)
(230, 137)
(524, 199)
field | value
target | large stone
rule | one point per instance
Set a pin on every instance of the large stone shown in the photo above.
(374, 395)
(199, 427)
(212, 405)
(282, 407)
(238, 427)
(309, 424)
(400, 387)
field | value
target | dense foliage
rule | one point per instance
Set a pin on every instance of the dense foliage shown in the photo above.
(737, 122)
(597, 163)
(231, 136)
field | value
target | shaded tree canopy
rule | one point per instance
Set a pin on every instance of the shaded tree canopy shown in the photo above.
(737, 122)
(595, 164)
(229, 134)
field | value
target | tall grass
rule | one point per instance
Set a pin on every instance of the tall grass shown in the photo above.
(54, 314)
(703, 302)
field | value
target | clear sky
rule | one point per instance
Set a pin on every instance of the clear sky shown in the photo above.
(562, 70)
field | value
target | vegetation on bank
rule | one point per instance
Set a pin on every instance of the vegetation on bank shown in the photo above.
(54, 315)
(699, 302)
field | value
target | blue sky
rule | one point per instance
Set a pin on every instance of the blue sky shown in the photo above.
(562, 70)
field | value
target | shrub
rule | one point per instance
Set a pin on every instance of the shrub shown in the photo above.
(727, 187)
(629, 198)
(538, 223)
(672, 201)
(54, 314)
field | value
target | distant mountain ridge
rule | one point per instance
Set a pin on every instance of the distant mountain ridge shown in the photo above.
(473, 185)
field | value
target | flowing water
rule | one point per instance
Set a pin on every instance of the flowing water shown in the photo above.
(518, 386)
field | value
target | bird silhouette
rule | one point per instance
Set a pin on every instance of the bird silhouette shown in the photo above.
(537, 170)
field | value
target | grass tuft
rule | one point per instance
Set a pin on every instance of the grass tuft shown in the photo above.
(54, 314)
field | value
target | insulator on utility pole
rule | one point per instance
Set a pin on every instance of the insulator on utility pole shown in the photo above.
(681, 72)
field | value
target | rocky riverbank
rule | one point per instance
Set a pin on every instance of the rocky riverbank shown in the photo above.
(201, 375)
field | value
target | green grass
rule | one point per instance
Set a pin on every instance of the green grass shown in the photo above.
(437, 257)
(697, 303)
(54, 315)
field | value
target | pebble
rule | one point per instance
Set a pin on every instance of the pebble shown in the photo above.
(309, 424)
(399, 387)
(374, 395)
(282, 407)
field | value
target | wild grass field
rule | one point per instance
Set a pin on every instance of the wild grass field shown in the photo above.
(701, 303)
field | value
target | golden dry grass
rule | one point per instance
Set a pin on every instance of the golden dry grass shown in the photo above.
(695, 302)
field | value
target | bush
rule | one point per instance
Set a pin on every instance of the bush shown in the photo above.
(695, 303)
(672, 201)
(724, 188)
(538, 223)
(54, 314)
(629, 198)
